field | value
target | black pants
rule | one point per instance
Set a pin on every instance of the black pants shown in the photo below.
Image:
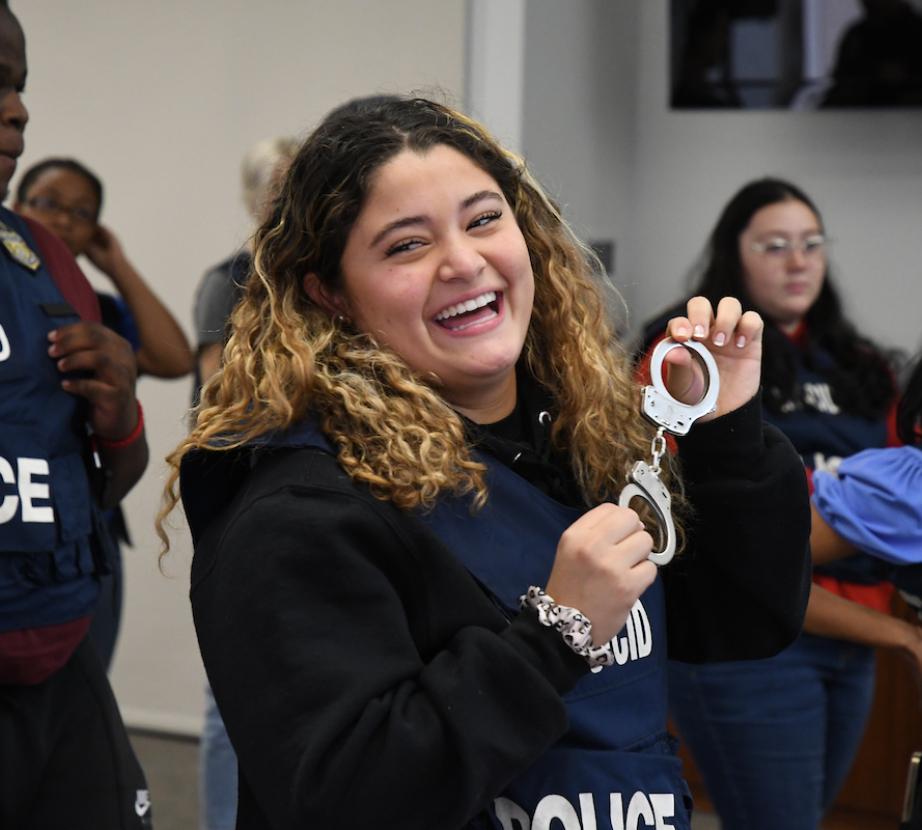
(65, 759)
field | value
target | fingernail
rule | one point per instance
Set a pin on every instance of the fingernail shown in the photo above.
(699, 331)
(740, 342)
(683, 331)
(53, 335)
(720, 338)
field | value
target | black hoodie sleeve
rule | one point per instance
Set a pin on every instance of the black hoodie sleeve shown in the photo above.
(364, 677)
(740, 589)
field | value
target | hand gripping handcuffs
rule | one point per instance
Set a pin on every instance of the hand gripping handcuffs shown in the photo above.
(671, 416)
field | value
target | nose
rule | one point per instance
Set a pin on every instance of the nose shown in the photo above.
(797, 258)
(13, 112)
(60, 220)
(461, 260)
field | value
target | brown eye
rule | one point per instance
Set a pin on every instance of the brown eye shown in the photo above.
(485, 219)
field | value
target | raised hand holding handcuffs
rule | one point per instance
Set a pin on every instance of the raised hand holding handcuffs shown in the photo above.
(675, 417)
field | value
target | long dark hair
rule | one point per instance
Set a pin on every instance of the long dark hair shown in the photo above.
(909, 412)
(861, 378)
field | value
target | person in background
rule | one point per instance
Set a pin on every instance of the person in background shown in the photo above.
(774, 739)
(873, 503)
(219, 291)
(422, 421)
(71, 441)
(222, 285)
(879, 59)
(67, 198)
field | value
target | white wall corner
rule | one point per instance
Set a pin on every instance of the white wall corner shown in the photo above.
(495, 67)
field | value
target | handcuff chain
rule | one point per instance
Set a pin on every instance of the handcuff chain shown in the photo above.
(658, 448)
(669, 415)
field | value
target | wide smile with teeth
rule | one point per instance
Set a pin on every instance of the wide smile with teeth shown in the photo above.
(471, 312)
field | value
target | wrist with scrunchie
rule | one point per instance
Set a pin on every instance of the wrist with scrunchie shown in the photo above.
(574, 626)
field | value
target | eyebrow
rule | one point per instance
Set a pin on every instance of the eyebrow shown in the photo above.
(407, 221)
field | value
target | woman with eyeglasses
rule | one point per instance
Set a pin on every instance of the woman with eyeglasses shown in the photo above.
(774, 739)
(66, 197)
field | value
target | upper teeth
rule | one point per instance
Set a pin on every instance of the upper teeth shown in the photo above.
(468, 305)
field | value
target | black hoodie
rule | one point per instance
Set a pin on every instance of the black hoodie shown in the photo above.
(365, 677)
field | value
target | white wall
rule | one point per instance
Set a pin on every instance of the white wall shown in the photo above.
(495, 66)
(578, 136)
(162, 99)
(599, 132)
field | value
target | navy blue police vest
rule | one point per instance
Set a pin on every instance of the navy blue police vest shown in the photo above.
(48, 547)
(813, 422)
(824, 435)
(615, 769)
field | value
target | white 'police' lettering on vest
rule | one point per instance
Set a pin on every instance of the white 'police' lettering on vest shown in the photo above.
(5, 350)
(29, 490)
(819, 397)
(637, 640)
(644, 810)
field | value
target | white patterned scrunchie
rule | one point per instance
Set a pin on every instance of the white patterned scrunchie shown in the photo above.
(574, 626)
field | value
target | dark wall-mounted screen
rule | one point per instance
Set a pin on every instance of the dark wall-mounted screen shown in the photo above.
(796, 54)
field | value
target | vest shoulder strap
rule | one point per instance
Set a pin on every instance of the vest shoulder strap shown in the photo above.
(65, 272)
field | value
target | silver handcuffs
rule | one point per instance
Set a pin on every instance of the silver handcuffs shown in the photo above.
(674, 417)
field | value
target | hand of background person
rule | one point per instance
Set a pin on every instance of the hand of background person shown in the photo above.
(104, 372)
(163, 350)
(106, 252)
(734, 339)
(601, 567)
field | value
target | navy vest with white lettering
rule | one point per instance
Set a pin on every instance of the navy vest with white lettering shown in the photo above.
(823, 435)
(615, 769)
(819, 430)
(48, 547)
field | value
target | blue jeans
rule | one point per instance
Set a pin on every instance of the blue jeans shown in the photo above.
(217, 772)
(774, 739)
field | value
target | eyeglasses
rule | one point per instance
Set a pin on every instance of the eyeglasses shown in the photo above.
(46, 204)
(780, 247)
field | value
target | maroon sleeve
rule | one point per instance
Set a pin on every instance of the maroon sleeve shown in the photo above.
(65, 272)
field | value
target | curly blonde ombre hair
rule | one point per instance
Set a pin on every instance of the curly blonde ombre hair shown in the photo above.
(287, 357)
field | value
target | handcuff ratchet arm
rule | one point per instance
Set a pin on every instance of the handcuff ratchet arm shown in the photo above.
(672, 416)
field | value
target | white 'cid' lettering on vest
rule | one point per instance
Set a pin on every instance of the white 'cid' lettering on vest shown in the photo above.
(637, 640)
(5, 350)
(653, 810)
(29, 490)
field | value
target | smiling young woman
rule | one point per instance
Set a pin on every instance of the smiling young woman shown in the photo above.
(422, 421)
(437, 269)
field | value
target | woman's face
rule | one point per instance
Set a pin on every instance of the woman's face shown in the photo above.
(783, 254)
(64, 202)
(436, 268)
